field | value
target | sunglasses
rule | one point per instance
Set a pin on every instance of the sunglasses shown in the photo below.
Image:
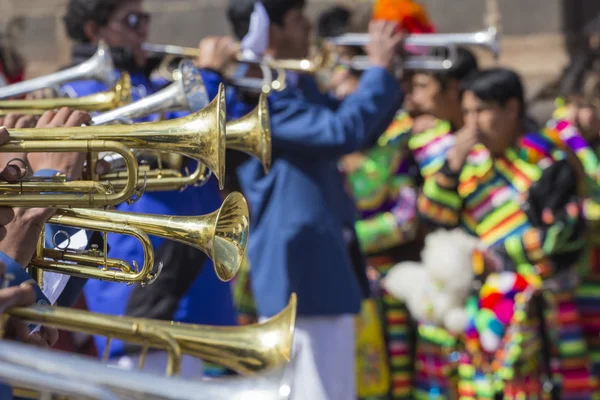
(135, 20)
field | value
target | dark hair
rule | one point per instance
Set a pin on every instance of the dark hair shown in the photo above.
(239, 12)
(79, 12)
(464, 66)
(334, 21)
(497, 85)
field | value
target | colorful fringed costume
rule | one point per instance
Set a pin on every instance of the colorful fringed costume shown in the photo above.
(383, 191)
(383, 183)
(565, 135)
(485, 199)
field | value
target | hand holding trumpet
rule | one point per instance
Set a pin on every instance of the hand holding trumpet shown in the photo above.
(16, 329)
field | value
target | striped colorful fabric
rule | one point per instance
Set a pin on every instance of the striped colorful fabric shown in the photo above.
(385, 195)
(398, 332)
(379, 182)
(566, 136)
(484, 199)
(429, 148)
(435, 371)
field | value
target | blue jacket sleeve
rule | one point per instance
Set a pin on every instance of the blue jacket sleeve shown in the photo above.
(212, 80)
(18, 276)
(299, 125)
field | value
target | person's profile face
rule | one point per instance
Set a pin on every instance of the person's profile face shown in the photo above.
(495, 124)
(294, 41)
(585, 116)
(127, 26)
(425, 94)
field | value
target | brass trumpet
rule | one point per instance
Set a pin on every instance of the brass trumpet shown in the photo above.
(118, 96)
(222, 235)
(250, 134)
(248, 349)
(200, 136)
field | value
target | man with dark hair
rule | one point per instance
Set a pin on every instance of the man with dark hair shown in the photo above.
(518, 194)
(184, 289)
(301, 237)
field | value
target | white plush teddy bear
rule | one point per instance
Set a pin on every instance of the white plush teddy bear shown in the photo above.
(436, 289)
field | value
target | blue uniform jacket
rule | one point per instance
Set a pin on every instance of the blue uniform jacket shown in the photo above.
(208, 301)
(299, 209)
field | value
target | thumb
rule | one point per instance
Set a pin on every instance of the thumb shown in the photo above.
(4, 136)
(23, 295)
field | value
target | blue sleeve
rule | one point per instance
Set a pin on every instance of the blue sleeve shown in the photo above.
(18, 276)
(212, 80)
(299, 125)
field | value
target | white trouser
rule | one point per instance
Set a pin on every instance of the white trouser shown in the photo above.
(156, 362)
(324, 357)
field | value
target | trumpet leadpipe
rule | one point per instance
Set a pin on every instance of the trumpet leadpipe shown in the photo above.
(118, 96)
(99, 67)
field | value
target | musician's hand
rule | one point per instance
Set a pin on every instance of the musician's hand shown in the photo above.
(384, 44)
(13, 164)
(22, 233)
(216, 53)
(70, 164)
(466, 138)
(21, 296)
(47, 93)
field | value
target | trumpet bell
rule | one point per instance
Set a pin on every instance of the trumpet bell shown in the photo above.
(193, 95)
(251, 134)
(230, 236)
(252, 349)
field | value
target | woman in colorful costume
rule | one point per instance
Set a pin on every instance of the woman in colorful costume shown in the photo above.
(516, 192)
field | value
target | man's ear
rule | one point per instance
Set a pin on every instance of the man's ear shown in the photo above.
(91, 31)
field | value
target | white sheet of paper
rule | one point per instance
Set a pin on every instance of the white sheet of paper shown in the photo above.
(55, 283)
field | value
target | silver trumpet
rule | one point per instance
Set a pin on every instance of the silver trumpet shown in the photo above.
(50, 373)
(186, 93)
(489, 39)
(267, 84)
(99, 67)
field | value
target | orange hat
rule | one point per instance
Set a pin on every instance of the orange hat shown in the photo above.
(411, 16)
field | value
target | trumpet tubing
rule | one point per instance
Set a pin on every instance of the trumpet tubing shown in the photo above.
(88, 193)
(222, 235)
(86, 264)
(99, 324)
(99, 67)
(118, 96)
(247, 349)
